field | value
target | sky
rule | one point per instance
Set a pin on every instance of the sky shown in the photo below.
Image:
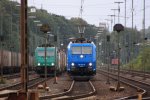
(96, 11)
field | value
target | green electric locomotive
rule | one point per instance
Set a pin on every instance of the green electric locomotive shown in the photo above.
(53, 61)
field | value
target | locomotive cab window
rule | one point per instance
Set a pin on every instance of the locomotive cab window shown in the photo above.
(81, 50)
(48, 53)
(76, 50)
(86, 50)
(41, 53)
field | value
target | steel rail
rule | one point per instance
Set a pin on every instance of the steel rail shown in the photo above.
(59, 94)
(143, 88)
(30, 85)
(72, 97)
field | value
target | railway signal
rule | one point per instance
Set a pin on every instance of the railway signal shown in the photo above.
(118, 28)
(55, 38)
(108, 56)
(45, 28)
(55, 77)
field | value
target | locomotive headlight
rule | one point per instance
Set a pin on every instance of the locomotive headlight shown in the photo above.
(90, 64)
(52, 64)
(81, 56)
(72, 64)
(39, 64)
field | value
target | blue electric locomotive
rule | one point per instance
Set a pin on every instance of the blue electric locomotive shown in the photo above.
(81, 58)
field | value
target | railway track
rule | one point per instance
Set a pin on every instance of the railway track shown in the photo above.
(16, 85)
(139, 85)
(12, 76)
(32, 83)
(131, 72)
(77, 90)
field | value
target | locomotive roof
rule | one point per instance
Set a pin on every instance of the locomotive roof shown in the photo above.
(47, 45)
(81, 44)
(80, 40)
(43, 48)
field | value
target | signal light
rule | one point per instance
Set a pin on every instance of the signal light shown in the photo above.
(108, 38)
(145, 38)
(55, 38)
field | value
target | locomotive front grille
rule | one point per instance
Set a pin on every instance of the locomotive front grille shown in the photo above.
(82, 71)
(81, 65)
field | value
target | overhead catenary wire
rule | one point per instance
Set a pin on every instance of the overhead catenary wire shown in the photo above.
(81, 9)
(137, 13)
(58, 8)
